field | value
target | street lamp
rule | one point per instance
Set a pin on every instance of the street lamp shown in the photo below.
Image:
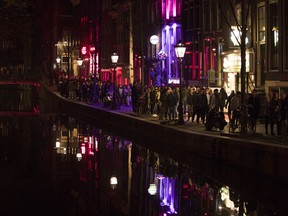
(79, 156)
(113, 182)
(180, 49)
(79, 63)
(152, 190)
(114, 59)
(154, 40)
(58, 59)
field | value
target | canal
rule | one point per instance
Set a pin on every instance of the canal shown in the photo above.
(54, 163)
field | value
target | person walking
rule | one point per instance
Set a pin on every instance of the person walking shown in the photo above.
(283, 109)
(190, 103)
(270, 116)
(278, 113)
(125, 96)
(163, 104)
(253, 104)
(155, 98)
(215, 101)
(208, 95)
(184, 98)
(171, 102)
(228, 104)
(223, 97)
(176, 92)
(202, 106)
(134, 96)
(235, 109)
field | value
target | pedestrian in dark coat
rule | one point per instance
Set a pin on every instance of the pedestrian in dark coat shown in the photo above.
(202, 106)
(254, 106)
(171, 102)
(270, 116)
(223, 97)
(190, 103)
(228, 104)
(163, 104)
(135, 96)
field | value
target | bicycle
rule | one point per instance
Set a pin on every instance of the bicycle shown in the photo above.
(242, 117)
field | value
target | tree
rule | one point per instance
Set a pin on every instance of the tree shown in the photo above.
(240, 11)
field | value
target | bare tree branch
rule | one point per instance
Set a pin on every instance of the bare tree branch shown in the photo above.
(227, 20)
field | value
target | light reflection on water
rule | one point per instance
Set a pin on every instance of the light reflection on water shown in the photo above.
(179, 188)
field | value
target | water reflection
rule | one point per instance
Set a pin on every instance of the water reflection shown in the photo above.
(19, 98)
(123, 178)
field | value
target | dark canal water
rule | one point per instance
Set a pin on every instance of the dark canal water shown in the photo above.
(55, 164)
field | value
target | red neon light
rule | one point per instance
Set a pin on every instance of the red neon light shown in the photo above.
(92, 49)
(83, 149)
(84, 50)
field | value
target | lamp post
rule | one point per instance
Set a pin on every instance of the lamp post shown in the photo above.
(79, 63)
(180, 49)
(154, 40)
(114, 59)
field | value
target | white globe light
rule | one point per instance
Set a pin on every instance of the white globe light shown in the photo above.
(113, 182)
(79, 156)
(154, 39)
(57, 144)
(152, 190)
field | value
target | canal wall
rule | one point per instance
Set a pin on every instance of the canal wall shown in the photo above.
(252, 156)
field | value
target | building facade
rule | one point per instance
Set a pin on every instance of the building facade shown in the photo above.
(271, 45)
(144, 33)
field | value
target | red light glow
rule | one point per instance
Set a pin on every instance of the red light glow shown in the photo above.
(84, 50)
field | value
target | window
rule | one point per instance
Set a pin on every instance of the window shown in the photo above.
(286, 34)
(274, 31)
(261, 23)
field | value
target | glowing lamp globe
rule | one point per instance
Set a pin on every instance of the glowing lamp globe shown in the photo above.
(114, 58)
(57, 144)
(79, 62)
(180, 50)
(113, 182)
(152, 190)
(58, 59)
(79, 156)
(154, 39)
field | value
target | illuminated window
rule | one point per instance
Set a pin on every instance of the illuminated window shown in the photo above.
(274, 35)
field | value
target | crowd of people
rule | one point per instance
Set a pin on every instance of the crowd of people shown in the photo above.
(162, 102)
(276, 114)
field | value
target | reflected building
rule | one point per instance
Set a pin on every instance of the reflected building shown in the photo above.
(147, 183)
